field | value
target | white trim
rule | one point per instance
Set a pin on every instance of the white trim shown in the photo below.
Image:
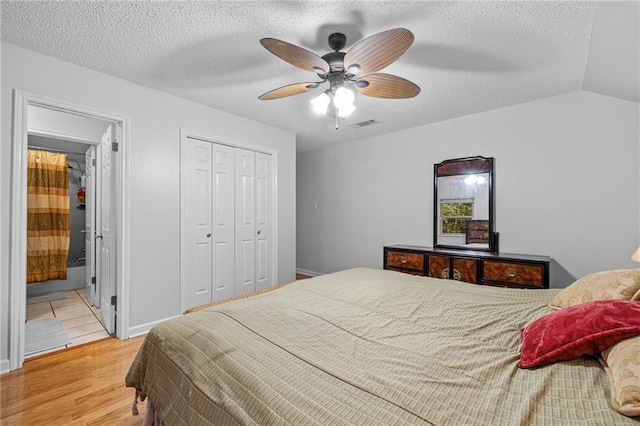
(18, 252)
(183, 214)
(18, 232)
(141, 329)
(122, 229)
(307, 272)
(186, 133)
(65, 136)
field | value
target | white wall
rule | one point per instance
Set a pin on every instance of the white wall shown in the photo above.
(154, 171)
(567, 185)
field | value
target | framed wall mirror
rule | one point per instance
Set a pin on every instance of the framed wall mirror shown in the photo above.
(463, 204)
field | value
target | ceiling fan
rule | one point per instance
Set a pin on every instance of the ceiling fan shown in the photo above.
(357, 67)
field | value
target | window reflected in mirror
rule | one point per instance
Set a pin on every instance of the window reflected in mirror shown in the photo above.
(454, 215)
(463, 203)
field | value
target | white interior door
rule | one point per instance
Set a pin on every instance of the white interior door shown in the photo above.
(245, 222)
(197, 229)
(106, 278)
(90, 225)
(97, 287)
(264, 221)
(223, 210)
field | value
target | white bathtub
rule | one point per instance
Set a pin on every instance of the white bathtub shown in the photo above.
(75, 279)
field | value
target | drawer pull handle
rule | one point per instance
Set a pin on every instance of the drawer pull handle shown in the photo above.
(445, 273)
(511, 272)
(404, 259)
(457, 275)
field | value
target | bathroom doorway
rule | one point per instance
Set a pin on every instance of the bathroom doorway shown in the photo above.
(63, 313)
(106, 134)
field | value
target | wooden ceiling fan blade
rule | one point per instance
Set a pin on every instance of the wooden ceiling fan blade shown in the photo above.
(386, 86)
(378, 51)
(295, 55)
(289, 90)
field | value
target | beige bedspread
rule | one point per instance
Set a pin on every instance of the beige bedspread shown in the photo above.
(366, 346)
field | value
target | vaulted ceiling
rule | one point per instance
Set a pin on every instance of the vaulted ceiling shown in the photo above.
(467, 57)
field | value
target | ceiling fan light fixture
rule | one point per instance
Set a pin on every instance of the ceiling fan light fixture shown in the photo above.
(353, 70)
(320, 103)
(343, 97)
(343, 101)
(320, 72)
(346, 110)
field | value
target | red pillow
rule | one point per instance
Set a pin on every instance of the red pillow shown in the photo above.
(584, 329)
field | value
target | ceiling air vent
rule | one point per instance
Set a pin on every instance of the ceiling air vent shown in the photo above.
(364, 124)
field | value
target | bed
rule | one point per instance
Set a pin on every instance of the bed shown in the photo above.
(366, 346)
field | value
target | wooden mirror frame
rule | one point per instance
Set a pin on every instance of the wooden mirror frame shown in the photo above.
(465, 166)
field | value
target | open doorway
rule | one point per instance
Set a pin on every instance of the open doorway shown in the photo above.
(102, 138)
(63, 313)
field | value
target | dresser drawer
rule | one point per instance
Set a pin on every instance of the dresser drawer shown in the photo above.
(400, 259)
(516, 273)
(486, 268)
(439, 266)
(464, 269)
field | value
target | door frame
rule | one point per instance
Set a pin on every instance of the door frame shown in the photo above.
(186, 133)
(18, 224)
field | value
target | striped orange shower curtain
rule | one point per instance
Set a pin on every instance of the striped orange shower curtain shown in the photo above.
(47, 216)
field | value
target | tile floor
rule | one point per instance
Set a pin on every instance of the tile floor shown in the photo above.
(80, 320)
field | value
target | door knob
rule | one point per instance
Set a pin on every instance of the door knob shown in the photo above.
(258, 232)
(208, 234)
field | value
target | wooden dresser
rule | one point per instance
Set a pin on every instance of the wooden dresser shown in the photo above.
(476, 267)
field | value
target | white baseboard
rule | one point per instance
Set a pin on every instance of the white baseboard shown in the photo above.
(4, 366)
(307, 272)
(144, 328)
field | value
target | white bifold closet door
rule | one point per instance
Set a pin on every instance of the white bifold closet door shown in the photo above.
(227, 215)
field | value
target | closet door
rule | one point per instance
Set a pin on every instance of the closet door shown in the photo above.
(196, 223)
(264, 221)
(223, 210)
(227, 246)
(245, 222)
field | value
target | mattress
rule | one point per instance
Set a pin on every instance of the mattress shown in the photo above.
(366, 346)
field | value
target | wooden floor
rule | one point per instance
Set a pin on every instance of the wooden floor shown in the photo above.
(82, 385)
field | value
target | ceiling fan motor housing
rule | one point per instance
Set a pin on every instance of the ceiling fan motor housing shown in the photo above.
(336, 75)
(335, 61)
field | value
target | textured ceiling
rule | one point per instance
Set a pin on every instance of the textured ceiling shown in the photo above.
(467, 57)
